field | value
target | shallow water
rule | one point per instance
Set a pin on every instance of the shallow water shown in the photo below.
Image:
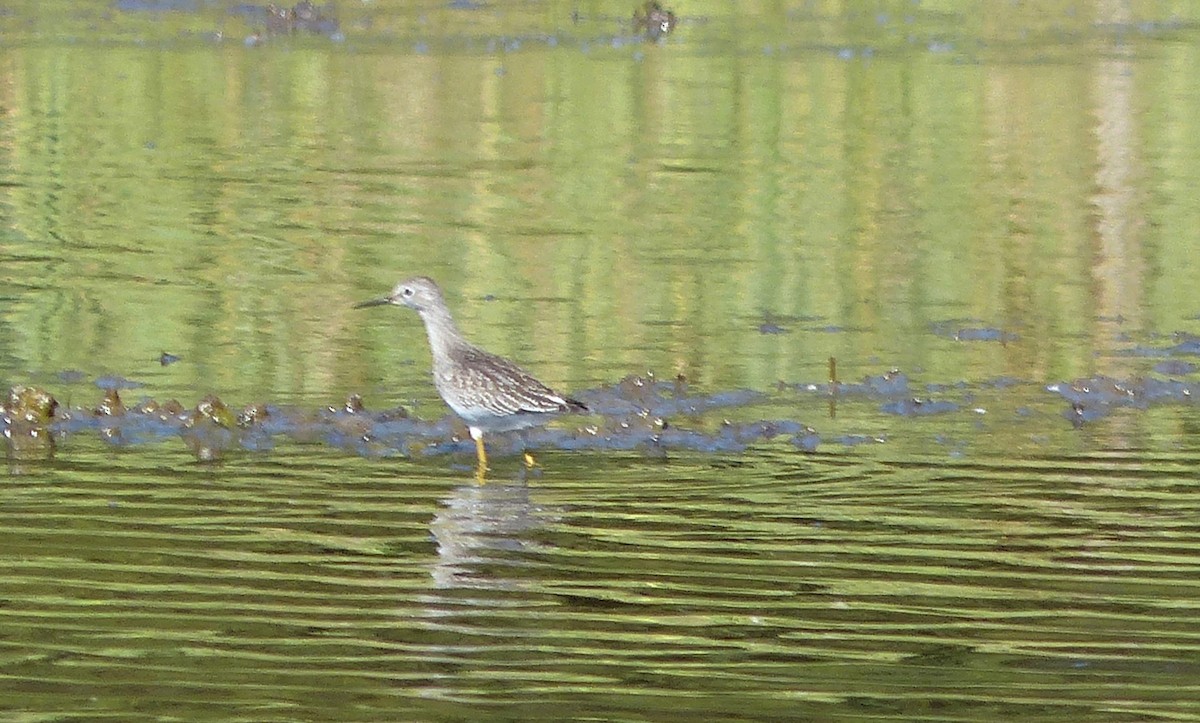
(308, 584)
(984, 215)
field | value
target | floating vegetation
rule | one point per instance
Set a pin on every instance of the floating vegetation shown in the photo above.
(891, 384)
(110, 405)
(1096, 397)
(213, 410)
(26, 416)
(210, 429)
(775, 324)
(954, 330)
(354, 404)
(114, 381)
(157, 6)
(1175, 367)
(1185, 345)
(653, 20)
(303, 17)
(255, 414)
(28, 405)
(170, 409)
(916, 407)
(639, 413)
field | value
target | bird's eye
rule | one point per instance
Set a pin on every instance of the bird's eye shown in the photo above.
(407, 293)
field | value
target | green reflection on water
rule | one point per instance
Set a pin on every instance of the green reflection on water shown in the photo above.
(802, 586)
(596, 207)
(633, 207)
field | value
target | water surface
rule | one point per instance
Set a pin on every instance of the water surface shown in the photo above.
(993, 200)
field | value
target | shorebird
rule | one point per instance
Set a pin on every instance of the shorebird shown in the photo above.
(490, 393)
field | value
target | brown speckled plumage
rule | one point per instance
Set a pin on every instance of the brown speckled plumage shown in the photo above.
(489, 392)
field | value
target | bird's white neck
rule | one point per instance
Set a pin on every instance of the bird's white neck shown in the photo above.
(443, 334)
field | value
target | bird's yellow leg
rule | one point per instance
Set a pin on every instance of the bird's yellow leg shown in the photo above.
(481, 456)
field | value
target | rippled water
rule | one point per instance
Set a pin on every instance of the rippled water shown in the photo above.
(984, 216)
(770, 584)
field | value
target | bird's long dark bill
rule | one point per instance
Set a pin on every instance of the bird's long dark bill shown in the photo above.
(372, 302)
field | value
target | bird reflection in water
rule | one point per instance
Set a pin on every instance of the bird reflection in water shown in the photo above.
(482, 530)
